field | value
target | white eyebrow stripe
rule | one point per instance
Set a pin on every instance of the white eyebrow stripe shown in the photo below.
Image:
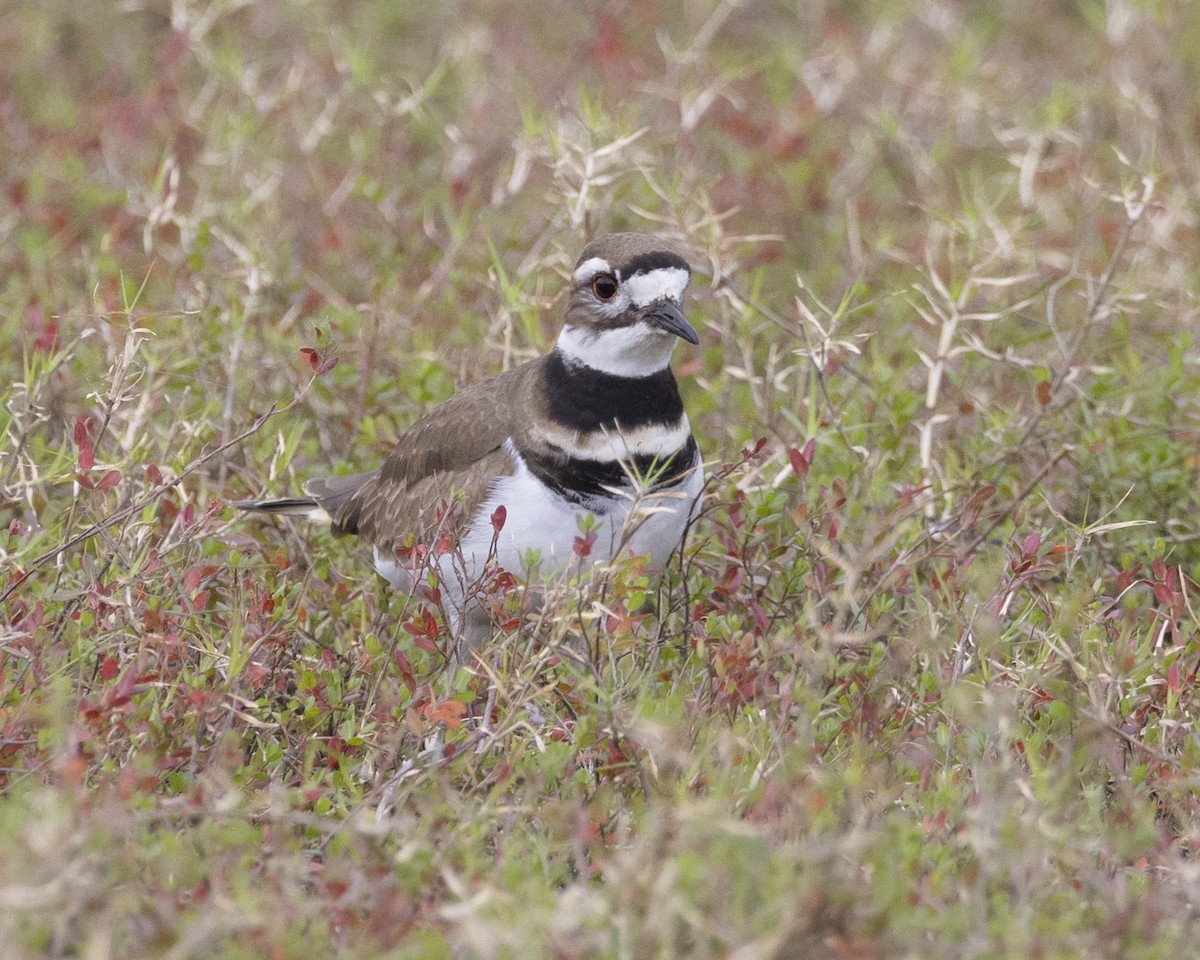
(669, 282)
(590, 268)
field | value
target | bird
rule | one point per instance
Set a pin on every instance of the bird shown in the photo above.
(572, 459)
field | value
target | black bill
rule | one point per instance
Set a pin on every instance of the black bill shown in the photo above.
(667, 317)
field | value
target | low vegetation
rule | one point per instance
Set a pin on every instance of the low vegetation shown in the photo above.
(922, 682)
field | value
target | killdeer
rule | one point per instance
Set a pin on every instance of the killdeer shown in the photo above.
(588, 444)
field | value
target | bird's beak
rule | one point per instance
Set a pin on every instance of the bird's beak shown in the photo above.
(667, 317)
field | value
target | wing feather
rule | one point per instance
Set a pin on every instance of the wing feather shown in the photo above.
(451, 456)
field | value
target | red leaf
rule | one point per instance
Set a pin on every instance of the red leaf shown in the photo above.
(1031, 544)
(127, 685)
(311, 355)
(499, 515)
(799, 464)
(109, 480)
(87, 455)
(449, 712)
(424, 643)
(48, 339)
(503, 581)
(84, 481)
(583, 545)
(153, 474)
(404, 668)
(430, 624)
(606, 38)
(1163, 594)
(839, 493)
(1173, 676)
(191, 579)
(327, 365)
(981, 496)
(1172, 577)
(750, 453)
(422, 625)
(83, 430)
(108, 668)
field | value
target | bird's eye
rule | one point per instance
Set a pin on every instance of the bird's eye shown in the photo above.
(604, 286)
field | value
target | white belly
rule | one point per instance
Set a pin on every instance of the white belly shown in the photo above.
(541, 529)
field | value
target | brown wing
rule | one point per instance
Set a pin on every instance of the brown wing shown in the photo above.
(451, 455)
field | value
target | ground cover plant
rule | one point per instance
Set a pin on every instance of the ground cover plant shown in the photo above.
(922, 682)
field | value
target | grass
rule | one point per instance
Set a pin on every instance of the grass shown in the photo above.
(923, 682)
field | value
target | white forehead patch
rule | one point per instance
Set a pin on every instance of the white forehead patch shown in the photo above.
(645, 288)
(590, 267)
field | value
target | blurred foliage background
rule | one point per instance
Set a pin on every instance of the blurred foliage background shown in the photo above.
(922, 683)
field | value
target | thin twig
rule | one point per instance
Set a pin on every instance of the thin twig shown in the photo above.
(1016, 501)
(125, 513)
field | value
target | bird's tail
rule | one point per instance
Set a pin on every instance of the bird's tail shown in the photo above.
(329, 500)
(305, 507)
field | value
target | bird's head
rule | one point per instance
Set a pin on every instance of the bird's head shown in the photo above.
(624, 314)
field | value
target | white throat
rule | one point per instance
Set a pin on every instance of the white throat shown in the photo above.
(634, 351)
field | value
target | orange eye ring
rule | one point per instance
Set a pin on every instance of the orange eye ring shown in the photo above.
(604, 286)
